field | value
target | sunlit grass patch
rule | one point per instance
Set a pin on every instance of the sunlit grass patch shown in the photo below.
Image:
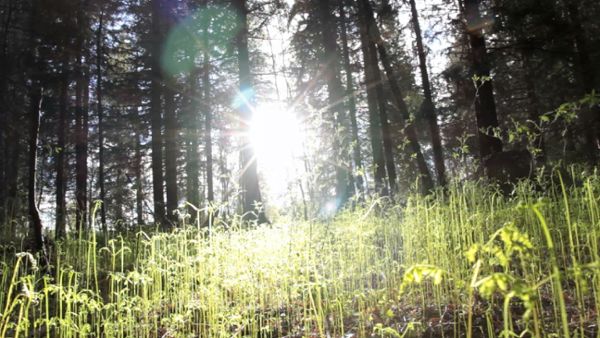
(467, 262)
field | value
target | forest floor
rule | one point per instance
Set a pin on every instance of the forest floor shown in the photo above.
(469, 262)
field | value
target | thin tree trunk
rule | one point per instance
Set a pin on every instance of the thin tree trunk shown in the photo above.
(61, 224)
(100, 109)
(139, 184)
(81, 132)
(156, 118)
(335, 98)
(85, 137)
(249, 178)
(485, 106)
(208, 129)
(358, 165)
(425, 182)
(428, 107)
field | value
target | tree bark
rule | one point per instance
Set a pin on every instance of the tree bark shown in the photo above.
(249, 178)
(425, 181)
(156, 117)
(485, 106)
(428, 107)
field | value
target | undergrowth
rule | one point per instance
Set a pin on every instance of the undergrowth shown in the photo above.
(467, 262)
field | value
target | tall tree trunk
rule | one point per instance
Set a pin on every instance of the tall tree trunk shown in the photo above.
(428, 107)
(61, 185)
(35, 102)
(192, 135)
(379, 128)
(351, 96)
(335, 98)
(81, 130)
(35, 98)
(206, 107)
(156, 117)
(100, 111)
(249, 179)
(485, 106)
(171, 152)
(171, 125)
(426, 183)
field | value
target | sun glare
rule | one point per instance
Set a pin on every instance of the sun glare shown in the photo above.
(277, 138)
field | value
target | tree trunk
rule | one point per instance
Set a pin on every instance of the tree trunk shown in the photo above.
(485, 106)
(249, 178)
(428, 107)
(139, 181)
(171, 125)
(100, 109)
(61, 185)
(171, 152)
(192, 135)
(35, 102)
(335, 97)
(81, 132)
(156, 118)
(351, 96)
(378, 121)
(426, 183)
(35, 98)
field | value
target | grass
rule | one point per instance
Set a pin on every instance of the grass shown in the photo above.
(465, 263)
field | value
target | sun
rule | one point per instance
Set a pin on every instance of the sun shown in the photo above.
(277, 137)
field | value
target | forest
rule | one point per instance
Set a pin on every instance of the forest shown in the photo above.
(299, 168)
